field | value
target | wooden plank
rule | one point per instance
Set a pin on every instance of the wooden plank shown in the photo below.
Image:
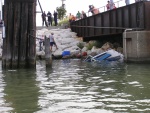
(48, 55)
(28, 1)
(24, 36)
(4, 40)
(19, 44)
(16, 34)
(31, 58)
(9, 36)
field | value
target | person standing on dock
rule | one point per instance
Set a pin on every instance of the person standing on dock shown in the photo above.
(43, 18)
(108, 5)
(91, 9)
(95, 10)
(83, 15)
(111, 4)
(55, 18)
(127, 2)
(78, 15)
(49, 15)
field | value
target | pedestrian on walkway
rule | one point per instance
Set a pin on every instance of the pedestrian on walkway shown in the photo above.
(83, 15)
(78, 15)
(127, 2)
(55, 18)
(49, 15)
(111, 4)
(43, 18)
(91, 9)
(108, 5)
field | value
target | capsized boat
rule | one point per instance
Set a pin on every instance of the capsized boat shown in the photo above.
(109, 55)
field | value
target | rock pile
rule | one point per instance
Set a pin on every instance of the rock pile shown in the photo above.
(64, 38)
(67, 40)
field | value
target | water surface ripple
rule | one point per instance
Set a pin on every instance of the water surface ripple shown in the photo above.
(73, 86)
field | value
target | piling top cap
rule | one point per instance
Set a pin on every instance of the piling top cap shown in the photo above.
(29, 1)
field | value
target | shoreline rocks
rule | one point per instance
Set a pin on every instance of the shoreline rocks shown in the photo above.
(66, 40)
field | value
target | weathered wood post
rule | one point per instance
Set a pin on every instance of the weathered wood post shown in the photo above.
(48, 55)
(19, 44)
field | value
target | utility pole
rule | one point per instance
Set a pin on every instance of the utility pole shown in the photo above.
(63, 3)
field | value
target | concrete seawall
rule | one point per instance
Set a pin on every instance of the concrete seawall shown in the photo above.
(136, 46)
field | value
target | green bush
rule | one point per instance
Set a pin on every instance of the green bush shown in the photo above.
(93, 43)
(80, 45)
(64, 21)
(98, 44)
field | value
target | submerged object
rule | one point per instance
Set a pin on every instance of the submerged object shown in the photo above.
(110, 55)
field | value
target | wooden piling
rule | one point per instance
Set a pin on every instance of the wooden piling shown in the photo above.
(19, 43)
(48, 55)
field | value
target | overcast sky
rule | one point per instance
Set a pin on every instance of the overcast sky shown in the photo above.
(72, 6)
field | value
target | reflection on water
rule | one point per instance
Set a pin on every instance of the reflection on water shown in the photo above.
(73, 86)
(20, 93)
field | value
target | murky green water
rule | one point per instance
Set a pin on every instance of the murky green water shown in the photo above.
(76, 87)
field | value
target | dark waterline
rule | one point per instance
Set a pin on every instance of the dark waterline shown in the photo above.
(73, 86)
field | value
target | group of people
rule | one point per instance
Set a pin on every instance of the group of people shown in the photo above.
(51, 39)
(110, 5)
(49, 18)
(79, 15)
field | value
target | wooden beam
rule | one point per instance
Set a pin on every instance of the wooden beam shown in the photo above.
(18, 46)
(28, 1)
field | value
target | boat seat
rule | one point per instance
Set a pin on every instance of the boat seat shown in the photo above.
(103, 57)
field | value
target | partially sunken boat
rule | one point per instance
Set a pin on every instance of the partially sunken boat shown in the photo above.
(109, 55)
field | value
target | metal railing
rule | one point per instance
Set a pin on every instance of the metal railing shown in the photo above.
(103, 8)
(122, 28)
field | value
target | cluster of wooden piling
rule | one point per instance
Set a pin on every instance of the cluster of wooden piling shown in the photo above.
(20, 42)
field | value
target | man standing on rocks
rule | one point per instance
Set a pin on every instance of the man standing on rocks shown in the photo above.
(52, 41)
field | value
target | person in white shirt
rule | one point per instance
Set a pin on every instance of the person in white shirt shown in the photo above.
(52, 41)
(111, 4)
(127, 2)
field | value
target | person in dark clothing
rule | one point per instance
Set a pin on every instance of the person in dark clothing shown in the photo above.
(49, 15)
(83, 14)
(55, 17)
(91, 9)
(1, 23)
(43, 18)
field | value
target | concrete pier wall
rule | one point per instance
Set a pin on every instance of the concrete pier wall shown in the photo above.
(136, 46)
